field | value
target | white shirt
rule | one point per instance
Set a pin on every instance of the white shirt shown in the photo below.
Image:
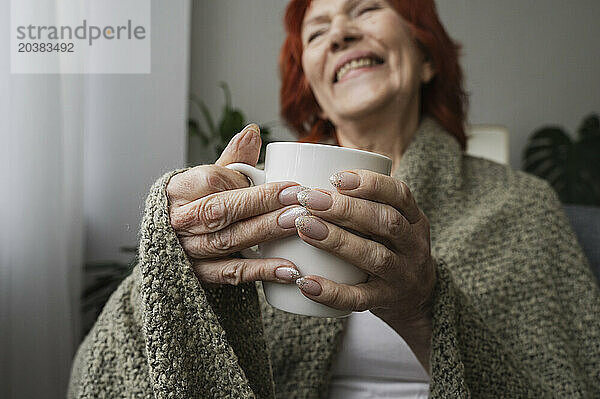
(375, 362)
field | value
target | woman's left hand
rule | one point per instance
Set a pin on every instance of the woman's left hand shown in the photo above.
(388, 238)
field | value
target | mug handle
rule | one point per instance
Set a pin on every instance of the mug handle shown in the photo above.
(256, 177)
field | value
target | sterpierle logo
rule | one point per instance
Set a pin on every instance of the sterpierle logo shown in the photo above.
(80, 36)
(83, 31)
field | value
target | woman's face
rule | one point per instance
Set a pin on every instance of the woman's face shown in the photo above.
(359, 56)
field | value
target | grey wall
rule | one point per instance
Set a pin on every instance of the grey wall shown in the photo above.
(136, 130)
(237, 41)
(527, 63)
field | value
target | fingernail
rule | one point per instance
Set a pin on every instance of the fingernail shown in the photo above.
(287, 273)
(288, 196)
(246, 139)
(255, 139)
(287, 219)
(345, 180)
(309, 286)
(314, 199)
(248, 134)
(251, 127)
(312, 227)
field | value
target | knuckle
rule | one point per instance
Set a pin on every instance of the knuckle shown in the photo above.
(406, 197)
(395, 223)
(192, 247)
(171, 189)
(216, 181)
(177, 186)
(338, 241)
(274, 187)
(176, 219)
(221, 241)
(372, 182)
(264, 273)
(404, 190)
(335, 297)
(212, 214)
(362, 301)
(384, 261)
(181, 218)
(210, 169)
(263, 228)
(264, 192)
(344, 207)
(206, 275)
(182, 185)
(233, 273)
(199, 270)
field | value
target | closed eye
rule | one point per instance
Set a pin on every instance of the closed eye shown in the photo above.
(368, 9)
(315, 35)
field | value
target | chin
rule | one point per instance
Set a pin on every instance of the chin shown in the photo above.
(363, 102)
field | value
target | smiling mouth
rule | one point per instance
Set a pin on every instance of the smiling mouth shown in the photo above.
(364, 62)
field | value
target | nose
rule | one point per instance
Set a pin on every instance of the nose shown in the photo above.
(342, 34)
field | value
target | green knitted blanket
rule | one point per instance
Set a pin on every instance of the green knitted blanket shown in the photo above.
(516, 309)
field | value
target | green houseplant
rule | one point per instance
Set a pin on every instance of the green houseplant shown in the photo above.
(100, 281)
(571, 166)
(215, 136)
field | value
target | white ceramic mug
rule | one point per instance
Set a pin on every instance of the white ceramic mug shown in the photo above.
(309, 165)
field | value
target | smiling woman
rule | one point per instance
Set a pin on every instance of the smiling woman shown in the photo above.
(337, 37)
(442, 96)
(477, 286)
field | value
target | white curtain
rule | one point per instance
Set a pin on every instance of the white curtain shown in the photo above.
(47, 124)
(41, 238)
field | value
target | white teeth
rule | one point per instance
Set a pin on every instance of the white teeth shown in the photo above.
(359, 63)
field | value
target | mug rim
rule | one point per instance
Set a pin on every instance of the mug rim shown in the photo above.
(330, 146)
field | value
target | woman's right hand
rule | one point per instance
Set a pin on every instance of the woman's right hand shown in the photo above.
(216, 213)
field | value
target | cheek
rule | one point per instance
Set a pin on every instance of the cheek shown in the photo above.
(312, 69)
(396, 37)
(404, 64)
(307, 67)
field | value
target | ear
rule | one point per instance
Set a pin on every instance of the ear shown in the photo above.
(427, 71)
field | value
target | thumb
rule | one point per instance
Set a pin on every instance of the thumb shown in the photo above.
(243, 147)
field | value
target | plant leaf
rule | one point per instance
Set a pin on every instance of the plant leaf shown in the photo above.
(219, 147)
(588, 150)
(227, 93)
(233, 121)
(101, 266)
(194, 130)
(547, 155)
(265, 131)
(205, 113)
(590, 126)
(588, 170)
(208, 118)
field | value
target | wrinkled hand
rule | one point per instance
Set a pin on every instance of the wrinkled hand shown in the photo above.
(215, 214)
(373, 222)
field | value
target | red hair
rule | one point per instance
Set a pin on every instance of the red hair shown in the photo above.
(443, 98)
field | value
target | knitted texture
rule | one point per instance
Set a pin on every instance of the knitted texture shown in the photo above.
(515, 305)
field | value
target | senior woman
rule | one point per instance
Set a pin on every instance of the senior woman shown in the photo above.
(477, 285)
